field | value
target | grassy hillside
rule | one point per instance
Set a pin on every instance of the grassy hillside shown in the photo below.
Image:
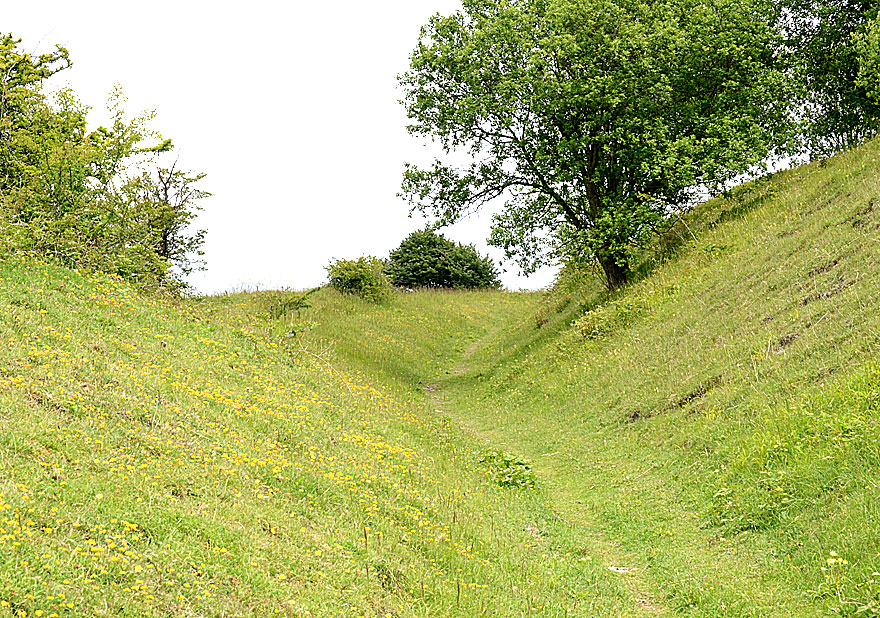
(404, 343)
(706, 443)
(168, 458)
(719, 420)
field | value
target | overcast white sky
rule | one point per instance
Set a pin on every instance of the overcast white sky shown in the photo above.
(290, 108)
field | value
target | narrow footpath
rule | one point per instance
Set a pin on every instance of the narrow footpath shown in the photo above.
(643, 597)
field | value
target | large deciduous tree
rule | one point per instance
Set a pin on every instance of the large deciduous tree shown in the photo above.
(590, 119)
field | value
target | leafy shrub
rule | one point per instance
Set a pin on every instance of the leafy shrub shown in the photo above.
(508, 470)
(283, 308)
(99, 200)
(364, 276)
(427, 259)
(868, 47)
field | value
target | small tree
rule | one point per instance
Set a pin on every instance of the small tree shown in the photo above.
(166, 205)
(427, 259)
(364, 277)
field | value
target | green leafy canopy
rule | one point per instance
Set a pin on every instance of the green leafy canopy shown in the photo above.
(829, 44)
(590, 119)
(364, 277)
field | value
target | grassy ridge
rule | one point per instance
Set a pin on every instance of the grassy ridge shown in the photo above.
(404, 343)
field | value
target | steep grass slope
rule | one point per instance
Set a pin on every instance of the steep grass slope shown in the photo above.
(717, 425)
(174, 459)
(721, 419)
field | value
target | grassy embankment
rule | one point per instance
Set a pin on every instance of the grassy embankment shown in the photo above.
(711, 434)
(178, 458)
(718, 423)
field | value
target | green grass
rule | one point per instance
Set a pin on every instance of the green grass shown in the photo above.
(720, 418)
(704, 443)
(405, 342)
(157, 458)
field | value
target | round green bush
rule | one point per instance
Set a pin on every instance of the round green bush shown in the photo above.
(364, 276)
(427, 259)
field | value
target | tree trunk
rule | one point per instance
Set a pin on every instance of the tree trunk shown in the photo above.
(616, 276)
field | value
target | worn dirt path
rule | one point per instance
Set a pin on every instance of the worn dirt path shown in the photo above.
(643, 594)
